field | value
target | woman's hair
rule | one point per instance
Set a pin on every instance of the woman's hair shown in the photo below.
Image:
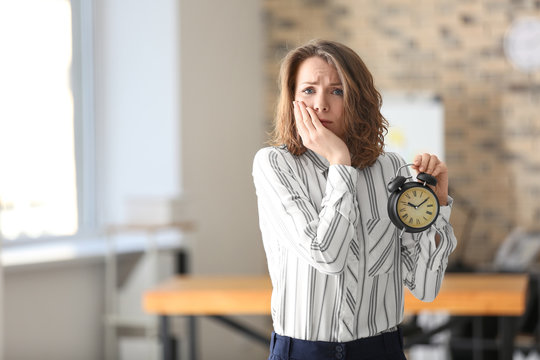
(365, 126)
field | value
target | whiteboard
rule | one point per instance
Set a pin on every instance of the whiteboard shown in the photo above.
(416, 124)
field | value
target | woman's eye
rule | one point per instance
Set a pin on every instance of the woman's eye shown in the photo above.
(338, 92)
(308, 91)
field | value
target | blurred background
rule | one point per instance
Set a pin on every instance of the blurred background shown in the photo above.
(128, 129)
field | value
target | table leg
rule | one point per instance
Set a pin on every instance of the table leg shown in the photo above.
(477, 338)
(192, 337)
(263, 339)
(168, 343)
(506, 327)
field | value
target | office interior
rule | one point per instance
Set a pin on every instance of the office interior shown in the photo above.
(171, 101)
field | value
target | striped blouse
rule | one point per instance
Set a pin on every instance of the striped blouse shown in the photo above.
(336, 261)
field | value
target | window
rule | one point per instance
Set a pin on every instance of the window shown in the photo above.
(43, 147)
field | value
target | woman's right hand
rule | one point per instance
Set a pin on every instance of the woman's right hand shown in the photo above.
(318, 138)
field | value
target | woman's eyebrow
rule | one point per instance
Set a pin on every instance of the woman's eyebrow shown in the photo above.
(309, 83)
(316, 83)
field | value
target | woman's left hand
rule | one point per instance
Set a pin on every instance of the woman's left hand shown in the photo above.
(431, 164)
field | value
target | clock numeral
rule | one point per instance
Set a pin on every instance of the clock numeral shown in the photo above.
(417, 221)
(414, 193)
(425, 218)
(405, 216)
(408, 196)
(429, 213)
(410, 220)
(402, 210)
(430, 205)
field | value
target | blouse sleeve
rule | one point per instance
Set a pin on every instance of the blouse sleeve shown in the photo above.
(286, 210)
(424, 262)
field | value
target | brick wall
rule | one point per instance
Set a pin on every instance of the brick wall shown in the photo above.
(453, 48)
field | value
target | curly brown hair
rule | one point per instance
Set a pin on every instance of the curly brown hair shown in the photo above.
(365, 126)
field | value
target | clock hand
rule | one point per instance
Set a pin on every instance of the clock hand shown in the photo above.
(422, 203)
(414, 206)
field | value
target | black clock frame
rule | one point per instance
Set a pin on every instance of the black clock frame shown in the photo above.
(393, 202)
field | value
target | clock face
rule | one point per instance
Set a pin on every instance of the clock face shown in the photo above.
(417, 207)
(522, 44)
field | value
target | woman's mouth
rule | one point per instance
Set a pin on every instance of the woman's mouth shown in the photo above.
(325, 122)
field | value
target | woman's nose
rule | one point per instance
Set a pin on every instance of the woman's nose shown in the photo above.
(321, 104)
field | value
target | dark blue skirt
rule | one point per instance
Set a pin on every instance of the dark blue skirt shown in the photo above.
(386, 346)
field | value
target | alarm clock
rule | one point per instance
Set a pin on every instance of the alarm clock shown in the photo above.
(412, 205)
(522, 44)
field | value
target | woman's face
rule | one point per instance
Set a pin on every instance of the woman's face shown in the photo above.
(319, 87)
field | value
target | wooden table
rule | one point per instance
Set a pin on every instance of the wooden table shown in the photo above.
(476, 294)
(501, 295)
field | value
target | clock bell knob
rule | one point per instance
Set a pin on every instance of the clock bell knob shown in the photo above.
(396, 183)
(427, 178)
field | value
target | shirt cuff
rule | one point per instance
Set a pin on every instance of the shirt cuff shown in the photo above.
(342, 178)
(444, 214)
(447, 240)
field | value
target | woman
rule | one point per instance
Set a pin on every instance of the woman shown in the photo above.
(337, 263)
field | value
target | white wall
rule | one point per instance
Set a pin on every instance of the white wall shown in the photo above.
(222, 128)
(54, 313)
(137, 99)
